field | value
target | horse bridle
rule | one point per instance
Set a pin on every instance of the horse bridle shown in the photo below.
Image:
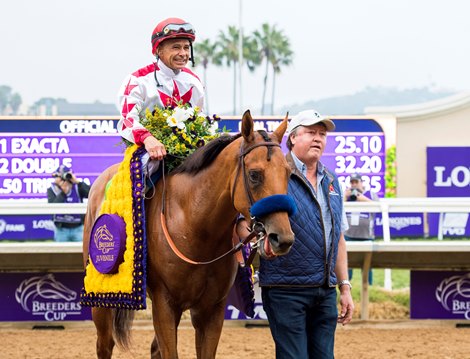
(257, 227)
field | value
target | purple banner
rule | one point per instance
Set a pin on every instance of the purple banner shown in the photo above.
(25, 228)
(41, 297)
(27, 162)
(401, 225)
(363, 153)
(346, 152)
(448, 171)
(448, 175)
(440, 295)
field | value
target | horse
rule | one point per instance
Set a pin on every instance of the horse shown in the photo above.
(203, 199)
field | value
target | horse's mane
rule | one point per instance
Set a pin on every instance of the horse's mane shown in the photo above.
(205, 155)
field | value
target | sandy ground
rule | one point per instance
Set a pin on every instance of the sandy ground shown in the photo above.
(379, 339)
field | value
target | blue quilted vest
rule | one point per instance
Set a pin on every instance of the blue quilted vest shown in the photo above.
(307, 263)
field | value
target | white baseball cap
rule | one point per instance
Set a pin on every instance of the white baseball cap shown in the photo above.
(308, 118)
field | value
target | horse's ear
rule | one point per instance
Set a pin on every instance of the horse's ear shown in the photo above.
(247, 126)
(281, 129)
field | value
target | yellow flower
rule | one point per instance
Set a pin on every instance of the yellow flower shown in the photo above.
(118, 201)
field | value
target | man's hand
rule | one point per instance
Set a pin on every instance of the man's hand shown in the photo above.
(242, 228)
(65, 186)
(347, 305)
(155, 148)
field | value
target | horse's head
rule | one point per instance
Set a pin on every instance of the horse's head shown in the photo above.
(260, 187)
(50, 288)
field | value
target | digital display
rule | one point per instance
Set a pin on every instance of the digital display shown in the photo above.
(362, 153)
(346, 152)
(28, 160)
(32, 149)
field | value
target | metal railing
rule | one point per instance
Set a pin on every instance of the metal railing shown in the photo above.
(383, 206)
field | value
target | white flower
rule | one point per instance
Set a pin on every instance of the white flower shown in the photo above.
(213, 128)
(179, 116)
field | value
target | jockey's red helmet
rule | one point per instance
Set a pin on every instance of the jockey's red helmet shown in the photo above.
(172, 28)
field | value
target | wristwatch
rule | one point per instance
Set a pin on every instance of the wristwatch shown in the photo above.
(344, 282)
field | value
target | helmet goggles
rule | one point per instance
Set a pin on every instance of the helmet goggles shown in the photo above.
(174, 29)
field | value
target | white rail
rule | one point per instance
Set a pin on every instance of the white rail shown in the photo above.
(384, 206)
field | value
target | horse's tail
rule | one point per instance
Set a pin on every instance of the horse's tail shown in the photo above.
(122, 323)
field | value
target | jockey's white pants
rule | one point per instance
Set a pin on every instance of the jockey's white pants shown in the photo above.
(149, 166)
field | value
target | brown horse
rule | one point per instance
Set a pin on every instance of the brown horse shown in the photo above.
(203, 198)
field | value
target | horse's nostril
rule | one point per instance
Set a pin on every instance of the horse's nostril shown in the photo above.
(275, 242)
(273, 238)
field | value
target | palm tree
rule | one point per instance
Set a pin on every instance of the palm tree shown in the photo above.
(228, 54)
(275, 50)
(205, 51)
(9, 98)
(15, 103)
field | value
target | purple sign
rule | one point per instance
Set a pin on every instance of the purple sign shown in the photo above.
(108, 243)
(448, 171)
(46, 297)
(23, 228)
(448, 175)
(401, 225)
(440, 295)
(346, 152)
(362, 153)
(27, 161)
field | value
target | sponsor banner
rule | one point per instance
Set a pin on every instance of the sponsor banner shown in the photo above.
(448, 171)
(448, 175)
(440, 295)
(401, 225)
(25, 228)
(48, 297)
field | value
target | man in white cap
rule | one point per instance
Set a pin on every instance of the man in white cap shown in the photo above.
(299, 289)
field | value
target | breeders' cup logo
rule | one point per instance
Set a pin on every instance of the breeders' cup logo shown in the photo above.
(454, 294)
(45, 296)
(103, 239)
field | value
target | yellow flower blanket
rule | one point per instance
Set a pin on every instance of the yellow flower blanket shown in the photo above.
(125, 198)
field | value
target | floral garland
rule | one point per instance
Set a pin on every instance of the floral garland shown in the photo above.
(181, 130)
(126, 288)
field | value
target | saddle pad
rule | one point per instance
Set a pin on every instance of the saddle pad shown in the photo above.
(126, 288)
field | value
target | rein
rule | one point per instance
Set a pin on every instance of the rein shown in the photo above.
(257, 229)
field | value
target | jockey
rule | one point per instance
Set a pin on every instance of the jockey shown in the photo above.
(164, 83)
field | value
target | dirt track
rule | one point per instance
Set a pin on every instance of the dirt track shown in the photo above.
(372, 340)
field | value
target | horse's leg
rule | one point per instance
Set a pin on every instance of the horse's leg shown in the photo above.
(154, 351)
(103, 319)
(166, 319)
(208, 323)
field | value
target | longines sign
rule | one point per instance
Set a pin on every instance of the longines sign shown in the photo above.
(448, 175)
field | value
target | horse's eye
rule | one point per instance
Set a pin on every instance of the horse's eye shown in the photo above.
(256, 177)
